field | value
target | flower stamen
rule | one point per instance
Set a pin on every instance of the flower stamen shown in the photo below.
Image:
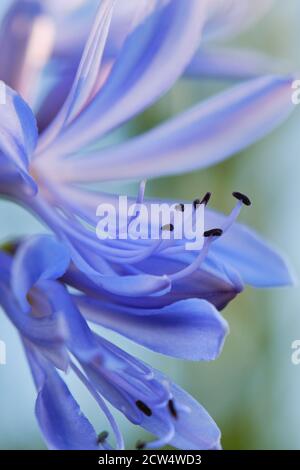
(143, 408)
(102, 437)
(214, 232)
(242, 197)
(172, 409)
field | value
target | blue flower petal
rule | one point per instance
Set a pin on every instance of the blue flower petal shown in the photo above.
(194, 429)
(61, 421)
(18, 69)
(38, 258)
(148, 49)
(18, 138)
(226, 20)
(48, 333)
(124, 285)
(217, 284)
(124, 381)
(208, 133)
(233, 64)
(256, 261)
(197, 327)
(79, 337)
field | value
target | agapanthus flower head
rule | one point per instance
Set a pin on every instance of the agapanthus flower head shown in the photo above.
(149, 291)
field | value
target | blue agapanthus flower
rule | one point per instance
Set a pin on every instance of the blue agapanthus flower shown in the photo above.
(159, 295)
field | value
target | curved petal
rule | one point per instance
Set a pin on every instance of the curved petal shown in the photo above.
(39, 330)
(128, 286)
(123, 380)
(61, 421)
(88, 70)
(198, 327)
(148, 50)
(18, 138)
(138, 285)
(49, 334)
(20, 32)
(204, 135)
(230, 17)
(5, 265)
(233, 64)
(79, 337)
(73, 24)
(214, 283)
(195, 428)
(38, 258)
(257, 262)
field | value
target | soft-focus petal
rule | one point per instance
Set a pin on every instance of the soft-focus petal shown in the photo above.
(233, 64)
(230, 17)
(18, 138)
(149, 49)
(86, 78)
(26, 39)
(203, 136)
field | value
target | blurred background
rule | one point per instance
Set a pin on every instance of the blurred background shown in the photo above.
(253, 389)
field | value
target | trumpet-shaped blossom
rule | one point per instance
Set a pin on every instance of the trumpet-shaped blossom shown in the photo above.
(147, 291)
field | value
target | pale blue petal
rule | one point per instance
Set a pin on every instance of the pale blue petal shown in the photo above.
(148, 50)
(230, 17)
(61, 421)
(197, 327)
(233, 64)
(257, 262)
(204, 135)
(18, 138)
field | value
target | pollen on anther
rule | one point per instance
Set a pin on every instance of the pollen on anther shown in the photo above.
(172, 409)
(242, 197)
(196, 203)
(206, 198)
(143, 408)
(102, 437)
(214, 232)
(140, 445)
